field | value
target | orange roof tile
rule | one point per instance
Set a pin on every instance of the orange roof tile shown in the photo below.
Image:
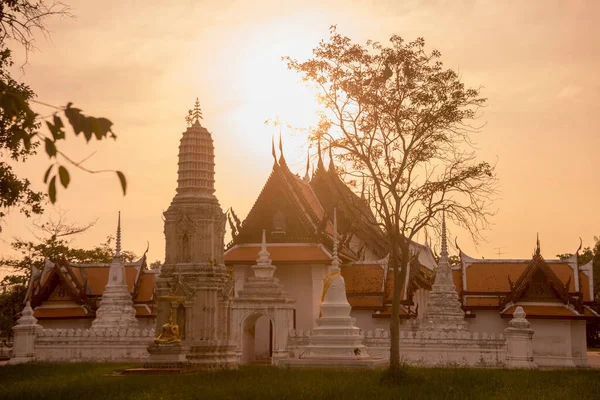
(389, 287)
(278, 254)
(493, 277)
(457, 279)
(77, 274)
(146, 288)
(130, 275)
(97, 278)
(142, 311)
(362, 278)
(483, 302)
(563, 271)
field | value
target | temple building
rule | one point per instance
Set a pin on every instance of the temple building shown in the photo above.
(247, 301)
(67, 295)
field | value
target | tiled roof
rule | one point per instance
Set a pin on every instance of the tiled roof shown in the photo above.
(293, 253)
(488, 277)
(85, 284)
(363, 278)
(482, 302)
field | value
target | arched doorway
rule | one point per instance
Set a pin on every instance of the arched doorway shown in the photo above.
(257, 339)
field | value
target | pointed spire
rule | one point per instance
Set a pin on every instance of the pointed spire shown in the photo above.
(306, 176)
(362, 192)
(335, 263)
(537, 248)
(281, 157)
(273, 150)
(444, 252)
(263, 254)
(118, 249)
(320, 162)
(331, 163)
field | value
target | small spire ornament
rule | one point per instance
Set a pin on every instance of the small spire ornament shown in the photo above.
(195, 114)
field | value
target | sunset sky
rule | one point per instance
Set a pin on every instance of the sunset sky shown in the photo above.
(143, 63)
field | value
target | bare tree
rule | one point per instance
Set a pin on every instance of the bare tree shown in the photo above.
(20, 19)
(397, 119)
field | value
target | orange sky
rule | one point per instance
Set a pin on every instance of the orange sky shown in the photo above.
(142, 64)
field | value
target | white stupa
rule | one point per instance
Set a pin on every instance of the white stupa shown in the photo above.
(336, 341)
(116, 306)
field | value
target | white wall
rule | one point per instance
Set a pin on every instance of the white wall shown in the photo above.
(552, 342)
(297, 283)
(579, 343)
(366, 322)
(487, 321)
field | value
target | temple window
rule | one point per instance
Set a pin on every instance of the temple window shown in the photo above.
(279, 223)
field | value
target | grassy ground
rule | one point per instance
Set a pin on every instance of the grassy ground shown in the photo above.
(102, 381)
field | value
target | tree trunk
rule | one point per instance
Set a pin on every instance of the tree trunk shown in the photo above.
(398, 263)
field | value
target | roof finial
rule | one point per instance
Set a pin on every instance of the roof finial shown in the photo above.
(362, 192)
(307, 176)
(195, 114)
(335, 263)
(331, 163)
(537, 248)
(444, 252)
(273, 150)
(118, 249)
(281, 158)
(320, 162)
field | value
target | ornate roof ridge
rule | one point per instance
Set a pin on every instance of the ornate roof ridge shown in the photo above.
(354, 204)
(278, 172)
(521, 285)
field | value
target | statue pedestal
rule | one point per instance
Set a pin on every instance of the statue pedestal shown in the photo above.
(168, 356)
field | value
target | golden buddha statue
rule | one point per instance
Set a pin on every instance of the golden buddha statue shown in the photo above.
(170, 332)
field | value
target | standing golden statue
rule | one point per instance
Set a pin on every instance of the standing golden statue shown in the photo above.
(170, 332)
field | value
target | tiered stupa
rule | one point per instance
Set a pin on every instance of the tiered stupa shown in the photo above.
(335, 341)
(116, 307)
(194, 285)
(444, 311)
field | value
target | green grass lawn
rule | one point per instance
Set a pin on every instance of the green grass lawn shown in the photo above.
(102, 381)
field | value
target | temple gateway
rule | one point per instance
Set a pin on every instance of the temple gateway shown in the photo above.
(303, 282)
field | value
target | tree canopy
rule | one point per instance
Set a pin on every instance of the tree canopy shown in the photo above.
(396, 119)
(22, 131)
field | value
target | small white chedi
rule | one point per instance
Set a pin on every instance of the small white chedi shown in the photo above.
(335, 341)
(116, 310)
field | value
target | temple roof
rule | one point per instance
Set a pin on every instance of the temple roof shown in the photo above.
(65, 290)
(280, 253)
(354, 214)
(557, 288)
(288, 199)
